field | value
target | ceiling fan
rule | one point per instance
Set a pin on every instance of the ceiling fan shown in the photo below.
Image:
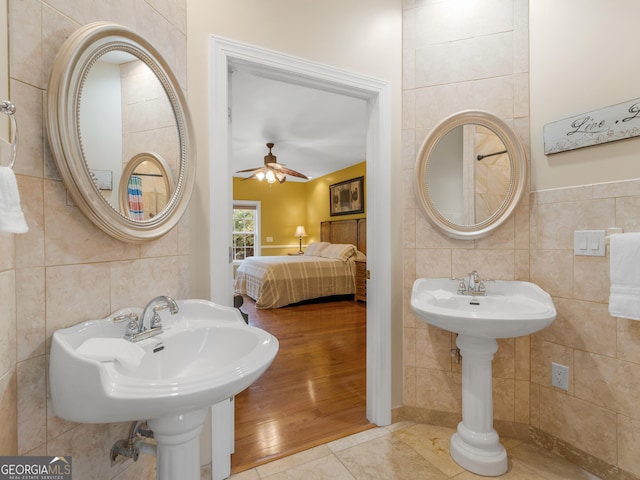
(272, 170)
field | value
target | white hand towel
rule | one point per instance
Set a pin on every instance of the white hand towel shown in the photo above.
(128, 354)
(624, 298)
(11, 216)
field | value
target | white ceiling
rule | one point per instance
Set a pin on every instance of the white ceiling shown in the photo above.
(315, 132)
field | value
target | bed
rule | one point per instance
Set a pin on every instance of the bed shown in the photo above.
(326, 269)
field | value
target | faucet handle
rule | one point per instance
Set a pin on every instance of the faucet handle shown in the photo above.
(462, 287)
(125, 316)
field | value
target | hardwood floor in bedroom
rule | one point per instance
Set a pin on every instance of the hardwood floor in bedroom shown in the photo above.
(315, 389)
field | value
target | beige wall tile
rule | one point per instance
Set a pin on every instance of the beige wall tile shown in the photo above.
(629, 444)
(70, 237)
(591, 279)
(433, 263)
(30, 307)
(504, 399)
(583, 325)
(543, 353)
(611, 383)
(25, 18)
(437, 390)
(76, 293)
(7, 321)
(552, 270)
(522, 400)
(503, 364)
(409, 228)
(409, 387)
(166, 275)
(7, 254)
(628, 339)
(558, 221)
(494, 264)
(628, 214)
(628, 188)
(586, 426)
(522, 358)
(32, 404)
(409, 267)
(9, 413)
(433, 349)
(30, 246)
(29, 108)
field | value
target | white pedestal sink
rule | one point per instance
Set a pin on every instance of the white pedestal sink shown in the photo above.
(509, 309)
(204, 355)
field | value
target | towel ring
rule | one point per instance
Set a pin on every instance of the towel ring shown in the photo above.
(9, 109)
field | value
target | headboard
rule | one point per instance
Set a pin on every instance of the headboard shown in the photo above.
(345, 231)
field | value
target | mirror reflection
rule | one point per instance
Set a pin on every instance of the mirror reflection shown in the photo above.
(145, 187)
(468, 174)
(123, 111)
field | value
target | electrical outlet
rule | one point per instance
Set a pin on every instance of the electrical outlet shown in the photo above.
(560, 376)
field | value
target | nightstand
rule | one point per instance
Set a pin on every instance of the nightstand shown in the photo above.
(361, 281)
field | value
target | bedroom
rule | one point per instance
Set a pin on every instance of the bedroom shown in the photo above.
(282, 207)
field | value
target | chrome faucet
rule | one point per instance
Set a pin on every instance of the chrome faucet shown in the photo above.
(474, 281)
(136, 330)
(475, 285)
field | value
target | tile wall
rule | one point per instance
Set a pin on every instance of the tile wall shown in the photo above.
(65, 270)
(460, 55)
(457, 56)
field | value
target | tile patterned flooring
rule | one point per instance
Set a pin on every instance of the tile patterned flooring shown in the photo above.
(407, 451)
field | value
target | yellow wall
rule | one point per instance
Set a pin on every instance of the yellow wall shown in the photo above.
(282, 208)
(285, 206)
(318, 198)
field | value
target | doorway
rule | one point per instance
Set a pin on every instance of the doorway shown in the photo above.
(223, 54)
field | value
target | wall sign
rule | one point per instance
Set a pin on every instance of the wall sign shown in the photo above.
(609, 124)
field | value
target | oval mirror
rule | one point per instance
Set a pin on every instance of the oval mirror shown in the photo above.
(114, 105)
(471, 172)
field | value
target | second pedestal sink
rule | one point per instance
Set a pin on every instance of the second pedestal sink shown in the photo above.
(508, 309)
(204, 355)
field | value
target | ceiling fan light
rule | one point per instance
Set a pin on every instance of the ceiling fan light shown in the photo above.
(260, 175)
(270, 176)
(281, 177)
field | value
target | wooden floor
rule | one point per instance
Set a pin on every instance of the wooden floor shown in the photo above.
(313, 392)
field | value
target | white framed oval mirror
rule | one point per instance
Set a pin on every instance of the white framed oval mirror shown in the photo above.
(470, 174)
(111, 97)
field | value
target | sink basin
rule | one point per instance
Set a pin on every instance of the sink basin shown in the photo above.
(205, 354)
(510, 308)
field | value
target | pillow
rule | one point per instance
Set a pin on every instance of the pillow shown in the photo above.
(360, 256)
(339, 251)
(314, 248)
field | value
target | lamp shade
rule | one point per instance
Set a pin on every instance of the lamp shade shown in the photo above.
(300, 231)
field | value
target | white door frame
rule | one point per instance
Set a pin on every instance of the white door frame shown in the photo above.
(224, 53)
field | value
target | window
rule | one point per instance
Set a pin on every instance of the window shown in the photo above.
(246, 230)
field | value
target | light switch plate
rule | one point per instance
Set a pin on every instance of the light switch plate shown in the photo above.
(589, 243)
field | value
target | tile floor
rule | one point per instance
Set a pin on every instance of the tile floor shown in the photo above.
(407, 451)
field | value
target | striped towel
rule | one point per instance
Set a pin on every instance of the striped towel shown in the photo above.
(134, 190)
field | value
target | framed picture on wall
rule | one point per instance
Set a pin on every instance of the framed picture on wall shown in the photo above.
(347, 197)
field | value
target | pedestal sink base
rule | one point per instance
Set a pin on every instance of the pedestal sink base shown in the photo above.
(476, 445)
(490, 460)
(178, 452)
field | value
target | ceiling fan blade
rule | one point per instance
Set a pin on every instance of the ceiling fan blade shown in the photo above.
(249, 170)
(293, 173)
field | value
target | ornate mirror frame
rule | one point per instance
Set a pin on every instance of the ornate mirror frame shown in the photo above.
(517, 181)
(71, 65)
